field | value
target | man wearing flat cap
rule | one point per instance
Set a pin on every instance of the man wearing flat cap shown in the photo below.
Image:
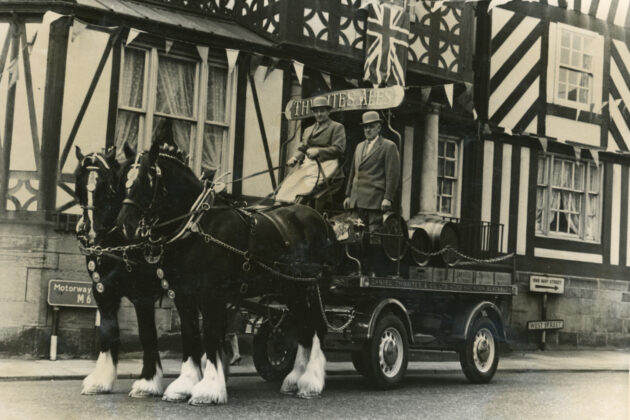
(373, 180)
(324, 141)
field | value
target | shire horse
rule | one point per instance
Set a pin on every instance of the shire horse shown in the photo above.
(99, 193)
(227, 253)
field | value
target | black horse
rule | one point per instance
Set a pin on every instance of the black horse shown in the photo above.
(222, 253)
(100, 195)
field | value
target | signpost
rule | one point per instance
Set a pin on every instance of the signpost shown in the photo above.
(67, 293)
(545, 285)
(362, 99)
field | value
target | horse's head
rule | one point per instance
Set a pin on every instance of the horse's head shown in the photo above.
(96, 191)
(142, 183)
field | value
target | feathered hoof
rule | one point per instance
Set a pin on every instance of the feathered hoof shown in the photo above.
(95, 386)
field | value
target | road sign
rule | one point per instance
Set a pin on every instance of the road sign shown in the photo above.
(362, 99)
(70, 293)
(543, 284)
(545, 325)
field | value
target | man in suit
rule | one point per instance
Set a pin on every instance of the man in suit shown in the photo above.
(373, 181)
(324, 141)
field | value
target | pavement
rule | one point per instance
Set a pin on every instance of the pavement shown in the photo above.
(555, 360)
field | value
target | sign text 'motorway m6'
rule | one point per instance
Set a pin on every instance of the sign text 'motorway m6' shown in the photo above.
(349, 100)
(67, 293)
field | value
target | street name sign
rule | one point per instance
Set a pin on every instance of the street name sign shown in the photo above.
(555, 324)
(362, 99)
(543, 284)
(70, 293)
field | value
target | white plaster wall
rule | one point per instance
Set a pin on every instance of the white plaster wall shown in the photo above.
(270, 97)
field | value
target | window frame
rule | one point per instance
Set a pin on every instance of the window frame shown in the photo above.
(457, 188)
(548, 160)
(595, 72)
(153, 53)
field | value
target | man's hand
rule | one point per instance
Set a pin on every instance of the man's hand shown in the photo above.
(346, 203)
(386, 205)
(312, 152)
(292, 162)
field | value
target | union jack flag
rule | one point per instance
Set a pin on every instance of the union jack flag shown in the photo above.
(387, 36)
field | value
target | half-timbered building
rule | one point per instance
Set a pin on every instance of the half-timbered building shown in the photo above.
(514, 125)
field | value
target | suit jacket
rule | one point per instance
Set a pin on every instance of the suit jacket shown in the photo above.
(375, 176)
(330, 139)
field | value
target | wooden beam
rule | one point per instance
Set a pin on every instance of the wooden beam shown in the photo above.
(88, 97)
(5, 163)
(112, 112)
(263, 134)
(239, 124)
(53, 107)
(3, 60)
(28, 81)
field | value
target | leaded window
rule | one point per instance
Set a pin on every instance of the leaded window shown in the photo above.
(568, 198)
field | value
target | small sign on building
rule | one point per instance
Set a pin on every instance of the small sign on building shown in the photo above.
(70, 293)
(555, 324)
(544, 284)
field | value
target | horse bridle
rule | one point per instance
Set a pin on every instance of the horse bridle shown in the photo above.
(90, 163)
(135, 167)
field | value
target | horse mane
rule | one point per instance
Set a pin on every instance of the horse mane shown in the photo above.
(174, 153)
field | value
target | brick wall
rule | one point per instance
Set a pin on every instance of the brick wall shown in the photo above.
(596, 312)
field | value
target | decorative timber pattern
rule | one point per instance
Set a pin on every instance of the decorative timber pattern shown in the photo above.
(440, 47)
(619, 97)
(515, 71)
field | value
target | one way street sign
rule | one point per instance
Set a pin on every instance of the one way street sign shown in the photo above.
(544, 284)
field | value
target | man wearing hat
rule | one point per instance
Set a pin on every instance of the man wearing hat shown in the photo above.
(324, 141)
(373, 180)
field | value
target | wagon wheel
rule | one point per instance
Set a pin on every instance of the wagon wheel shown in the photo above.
(479, 355)
(274, 353)
(387, 353)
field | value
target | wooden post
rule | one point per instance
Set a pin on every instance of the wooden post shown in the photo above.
(5, 164)
(53, 107)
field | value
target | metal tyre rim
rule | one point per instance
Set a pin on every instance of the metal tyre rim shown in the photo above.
(483, 350)
(390, 352)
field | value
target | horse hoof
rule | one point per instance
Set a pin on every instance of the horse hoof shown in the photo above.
(94, 392)
(289, 392)
(199, 403)
(308, 396)
(175, 398)
(140, 394)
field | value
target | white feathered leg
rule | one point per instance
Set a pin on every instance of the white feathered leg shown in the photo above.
(211, 389)
(101, 380)
(181, 388)
(148, 387)
(311, 383)
(289, 385)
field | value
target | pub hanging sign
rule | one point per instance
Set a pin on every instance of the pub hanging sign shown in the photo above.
(349, 100)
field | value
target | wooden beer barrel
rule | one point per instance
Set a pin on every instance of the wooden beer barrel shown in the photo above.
(421, 245)
(441, 233)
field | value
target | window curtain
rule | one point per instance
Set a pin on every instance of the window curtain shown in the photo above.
(130, 95)
(540, 194)
(592, 205)
(555, 205)
(214, 135)
(175, 95)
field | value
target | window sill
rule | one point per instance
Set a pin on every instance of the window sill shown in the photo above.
(567, 238)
